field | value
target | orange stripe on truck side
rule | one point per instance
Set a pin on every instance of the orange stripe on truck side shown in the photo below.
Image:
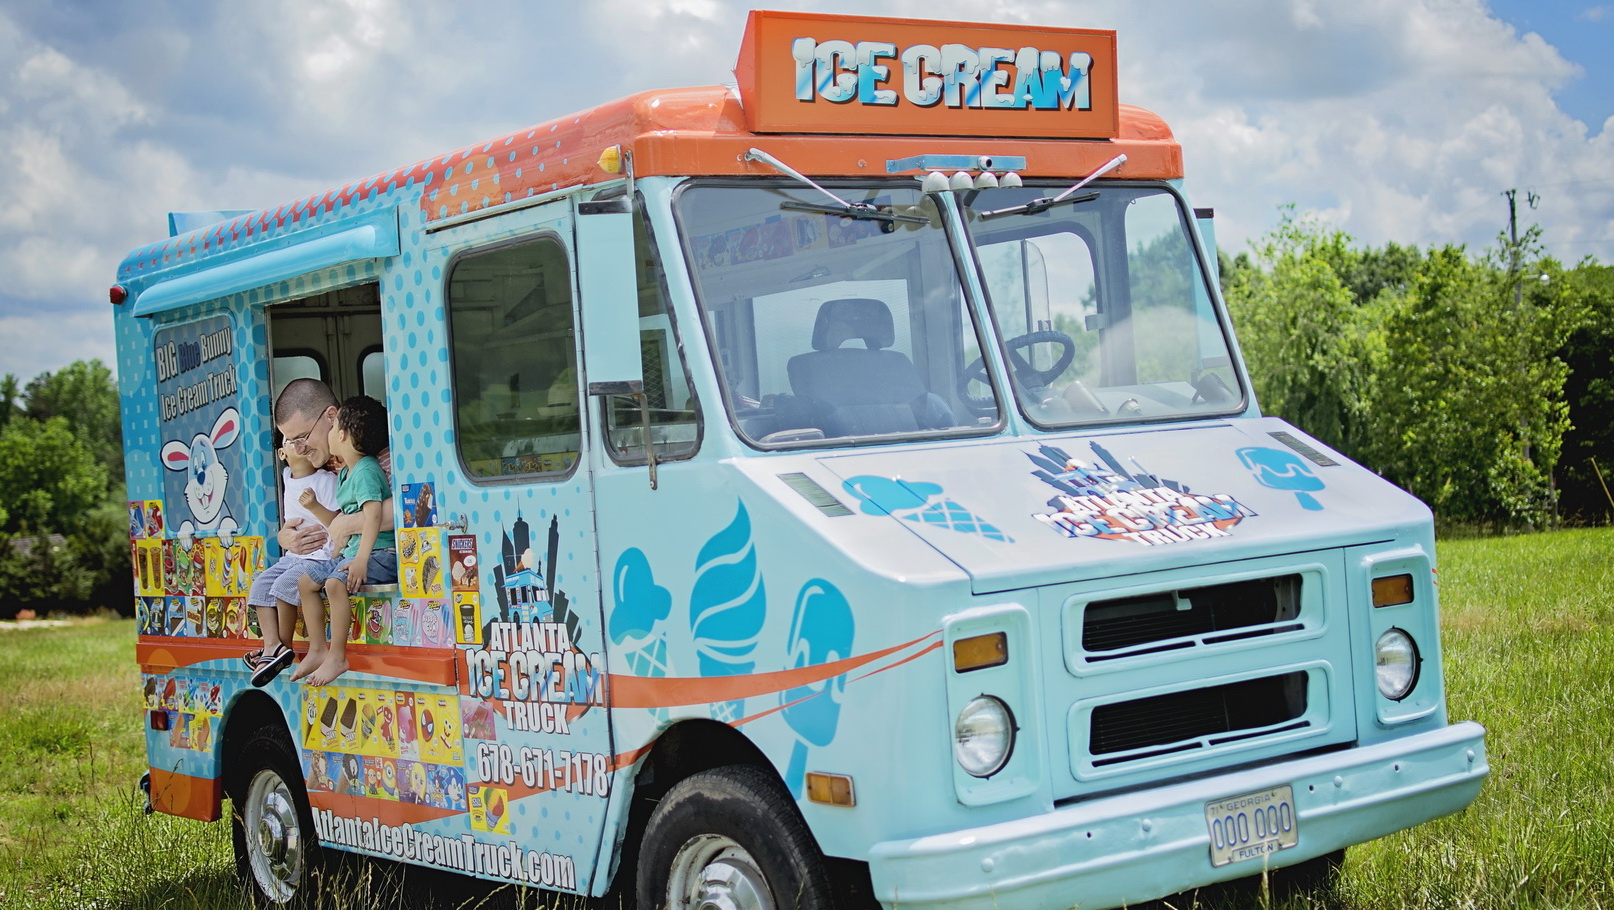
(436, 666)
(666, 691)
(186, 796)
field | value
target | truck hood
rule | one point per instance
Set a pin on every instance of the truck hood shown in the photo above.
(1021, 512)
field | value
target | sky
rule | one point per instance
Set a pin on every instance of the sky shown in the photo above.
(1391, 120)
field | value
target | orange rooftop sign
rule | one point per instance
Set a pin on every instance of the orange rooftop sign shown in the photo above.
(811, 73)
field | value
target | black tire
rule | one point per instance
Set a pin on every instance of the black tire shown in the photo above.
(1316, 878)
(1315, 881)
(730, 833)
(271, 825)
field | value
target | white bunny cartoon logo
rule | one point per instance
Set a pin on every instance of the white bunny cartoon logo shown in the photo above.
(207, 481)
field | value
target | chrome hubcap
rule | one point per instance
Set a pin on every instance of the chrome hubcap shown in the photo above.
(712, 872)
(274, 837)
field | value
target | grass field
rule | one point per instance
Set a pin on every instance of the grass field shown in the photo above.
(1529, 638)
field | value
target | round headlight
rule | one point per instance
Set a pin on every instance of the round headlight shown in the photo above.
(983, 736)
(1396, 664)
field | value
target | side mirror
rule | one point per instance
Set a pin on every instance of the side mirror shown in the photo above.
(608, 283)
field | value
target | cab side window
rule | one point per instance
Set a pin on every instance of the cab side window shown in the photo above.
(512, 332)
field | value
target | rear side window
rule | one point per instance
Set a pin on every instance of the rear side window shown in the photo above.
(516, 403)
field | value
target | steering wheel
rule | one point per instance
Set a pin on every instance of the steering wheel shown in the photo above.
(1025, 374)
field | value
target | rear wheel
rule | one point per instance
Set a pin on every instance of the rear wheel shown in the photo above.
(730, 839)
(271, 825)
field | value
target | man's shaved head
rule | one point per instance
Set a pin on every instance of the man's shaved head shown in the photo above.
(303, 398)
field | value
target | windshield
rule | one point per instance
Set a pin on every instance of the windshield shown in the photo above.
(829, 327)
(1103, 308)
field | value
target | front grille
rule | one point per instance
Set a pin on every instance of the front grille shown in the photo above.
(1199, 718)
(1171, 620)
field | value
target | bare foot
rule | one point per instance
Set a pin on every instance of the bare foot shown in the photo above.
(329, 669)
(310, 663)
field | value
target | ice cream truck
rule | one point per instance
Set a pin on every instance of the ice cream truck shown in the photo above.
(841, 487)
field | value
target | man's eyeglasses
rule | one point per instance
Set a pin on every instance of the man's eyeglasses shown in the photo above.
(301, 442)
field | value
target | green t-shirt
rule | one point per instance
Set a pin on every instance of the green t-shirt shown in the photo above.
(362, 483)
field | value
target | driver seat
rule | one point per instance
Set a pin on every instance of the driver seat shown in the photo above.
(862, 391)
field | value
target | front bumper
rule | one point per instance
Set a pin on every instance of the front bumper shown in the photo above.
(1144, 845)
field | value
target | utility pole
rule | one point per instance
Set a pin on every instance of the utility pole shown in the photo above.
(1518, 304)
(1513, 239)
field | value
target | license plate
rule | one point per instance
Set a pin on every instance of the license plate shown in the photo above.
(1252, 825)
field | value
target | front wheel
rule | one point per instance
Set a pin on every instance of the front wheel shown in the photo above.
(730, 839)
(271, 825)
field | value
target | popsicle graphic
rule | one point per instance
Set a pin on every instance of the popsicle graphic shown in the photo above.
(496, 807)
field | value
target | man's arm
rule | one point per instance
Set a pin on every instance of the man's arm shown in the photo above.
(344, 526)
(300, 537)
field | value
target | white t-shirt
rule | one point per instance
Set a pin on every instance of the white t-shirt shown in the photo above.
(323, 483)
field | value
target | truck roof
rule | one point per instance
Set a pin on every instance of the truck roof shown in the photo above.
(827, 110)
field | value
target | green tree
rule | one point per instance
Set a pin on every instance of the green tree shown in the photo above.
(1471, 412)
(52, 478)
(1443, 371)
(54, 531)
(1310, 348)
(1586, 469)
(8, 399)
(85, 394)
(1367, 273)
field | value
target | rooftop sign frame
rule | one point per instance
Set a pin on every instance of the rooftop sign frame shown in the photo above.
(813, 73)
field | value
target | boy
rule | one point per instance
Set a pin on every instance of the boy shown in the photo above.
(274, 592)
(358, 431)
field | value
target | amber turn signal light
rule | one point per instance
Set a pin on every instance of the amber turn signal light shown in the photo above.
(830, 789)
(980, 651)
(1392, 590)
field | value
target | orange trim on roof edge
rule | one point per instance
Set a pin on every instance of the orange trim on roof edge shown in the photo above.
(701, 132)
(698, 131)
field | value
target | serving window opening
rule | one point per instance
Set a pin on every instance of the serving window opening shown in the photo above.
(334, 337)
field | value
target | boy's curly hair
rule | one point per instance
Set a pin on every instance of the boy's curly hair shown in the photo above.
(365, 420)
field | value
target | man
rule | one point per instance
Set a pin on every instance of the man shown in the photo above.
(304, 414)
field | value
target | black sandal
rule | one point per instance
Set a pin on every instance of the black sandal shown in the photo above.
(269, 666)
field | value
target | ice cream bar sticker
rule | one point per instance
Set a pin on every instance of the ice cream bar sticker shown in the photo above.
(462, 562)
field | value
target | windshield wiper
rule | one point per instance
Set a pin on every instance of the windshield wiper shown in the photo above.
(860, 210)
(1043, 203)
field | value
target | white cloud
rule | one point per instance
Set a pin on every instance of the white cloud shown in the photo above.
(35, 340)
(1397, 119)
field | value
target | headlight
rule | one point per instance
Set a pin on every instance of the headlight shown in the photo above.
(1396, 658)
(983, 736)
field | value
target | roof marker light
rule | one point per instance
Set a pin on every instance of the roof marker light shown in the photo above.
(955, 163)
